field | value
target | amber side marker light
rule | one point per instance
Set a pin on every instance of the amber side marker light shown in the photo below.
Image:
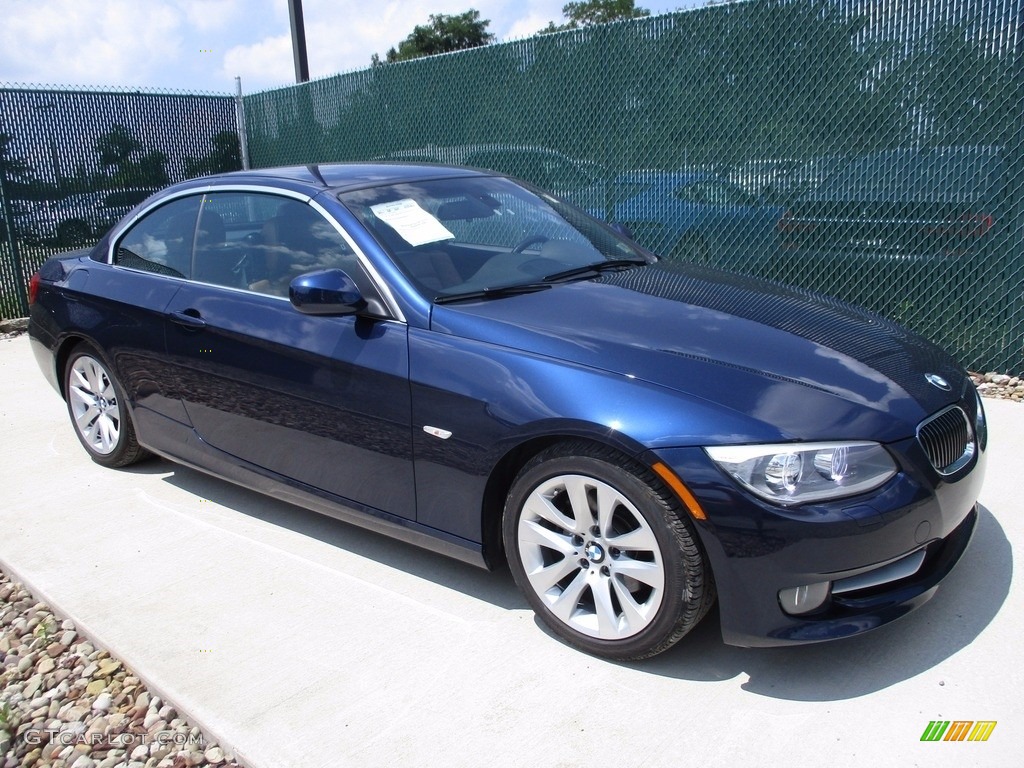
(673, 482)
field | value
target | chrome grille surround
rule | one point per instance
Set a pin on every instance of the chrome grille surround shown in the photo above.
(947, 439)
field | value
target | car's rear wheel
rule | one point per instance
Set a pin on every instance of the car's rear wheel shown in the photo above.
(98, 410)
(604, 553)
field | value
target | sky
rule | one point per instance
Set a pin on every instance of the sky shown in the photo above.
(202, 45)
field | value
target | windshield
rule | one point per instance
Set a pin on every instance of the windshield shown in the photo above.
(469, 235)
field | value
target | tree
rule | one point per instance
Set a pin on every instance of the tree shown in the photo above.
(444, 34)
(226, 156)
(116, 146)
(12, 167)
(590, 12)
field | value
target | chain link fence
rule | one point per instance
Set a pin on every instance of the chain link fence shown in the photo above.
(73, 162)
(865, 149)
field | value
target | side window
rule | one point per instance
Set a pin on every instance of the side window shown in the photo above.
(261, 242)
(161, 242)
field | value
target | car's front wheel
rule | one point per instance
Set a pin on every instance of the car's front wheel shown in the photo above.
(98, 410)
(604, 552)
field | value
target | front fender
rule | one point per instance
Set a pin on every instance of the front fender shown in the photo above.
(473, 403)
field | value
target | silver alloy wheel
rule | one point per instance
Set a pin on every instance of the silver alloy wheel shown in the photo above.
(94, 405)
(591, 557)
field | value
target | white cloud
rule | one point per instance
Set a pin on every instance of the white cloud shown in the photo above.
(211, 15)
(88, 41)
(264, 64)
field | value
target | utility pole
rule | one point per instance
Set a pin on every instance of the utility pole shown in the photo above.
(298, 41)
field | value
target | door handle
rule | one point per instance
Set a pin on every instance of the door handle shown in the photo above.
(189, 318)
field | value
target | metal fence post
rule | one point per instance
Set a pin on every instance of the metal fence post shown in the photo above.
(243, 135)
(12, 241)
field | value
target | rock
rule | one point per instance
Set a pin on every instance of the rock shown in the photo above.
(159, 751)
(214, 755)
(103, 702)
(109, 667)
(76, 713)
(46, 665)
(33, 685)
(14, 325)
(55, 649)
(95, 687)
(68, 638)
(141, 752)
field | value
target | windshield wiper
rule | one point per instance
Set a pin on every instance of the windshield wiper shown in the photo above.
(491, 293)
(594, 269)
(588, 270)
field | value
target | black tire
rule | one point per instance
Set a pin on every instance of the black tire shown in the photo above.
(612, 596)
(99, 410)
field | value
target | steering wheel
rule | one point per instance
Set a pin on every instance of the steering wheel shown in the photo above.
(526, 242)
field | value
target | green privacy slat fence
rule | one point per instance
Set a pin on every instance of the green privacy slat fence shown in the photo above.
(867, 149)
(73, 162)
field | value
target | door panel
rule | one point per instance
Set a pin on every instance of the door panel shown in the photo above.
(321, 400)
(125, 314)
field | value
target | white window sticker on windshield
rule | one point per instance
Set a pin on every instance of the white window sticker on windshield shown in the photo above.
(415, 225)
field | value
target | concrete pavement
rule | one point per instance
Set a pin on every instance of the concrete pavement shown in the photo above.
(299, 641)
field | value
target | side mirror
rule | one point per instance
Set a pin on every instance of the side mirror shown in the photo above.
(326, 292)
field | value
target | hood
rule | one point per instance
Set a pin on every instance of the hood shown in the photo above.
(810, 366)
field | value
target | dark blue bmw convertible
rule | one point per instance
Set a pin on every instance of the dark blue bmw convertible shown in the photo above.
(458, 360)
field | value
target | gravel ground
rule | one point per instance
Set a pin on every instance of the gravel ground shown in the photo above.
(999, 385)
(67, 704)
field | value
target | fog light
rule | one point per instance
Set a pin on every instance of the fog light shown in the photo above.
(810, 597)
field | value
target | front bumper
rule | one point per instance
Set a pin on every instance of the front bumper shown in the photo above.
(878, 556)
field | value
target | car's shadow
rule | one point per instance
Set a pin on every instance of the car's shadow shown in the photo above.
(496, 588)
(965, 604)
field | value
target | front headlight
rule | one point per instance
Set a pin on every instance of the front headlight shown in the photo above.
(795, 473)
